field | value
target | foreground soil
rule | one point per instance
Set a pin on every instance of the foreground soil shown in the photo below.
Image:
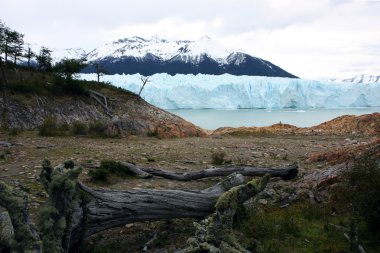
(21, 163)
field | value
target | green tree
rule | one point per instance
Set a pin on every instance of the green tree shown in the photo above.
(9, 39)
(44, 59)
(69, 67)
(2, 37)
(17, 46)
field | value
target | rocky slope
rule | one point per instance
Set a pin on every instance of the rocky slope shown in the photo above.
(367, 124)
(127, 113)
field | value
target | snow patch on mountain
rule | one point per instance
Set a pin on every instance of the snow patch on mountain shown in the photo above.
(229, 91)
(188, 51)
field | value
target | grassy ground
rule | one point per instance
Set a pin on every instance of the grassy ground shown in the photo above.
(298, 228)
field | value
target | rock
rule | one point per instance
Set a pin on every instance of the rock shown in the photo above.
(5, 144)
(262, 201)
(129, 225)
(44, 146)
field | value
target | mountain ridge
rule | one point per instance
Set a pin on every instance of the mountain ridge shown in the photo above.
(156, 55)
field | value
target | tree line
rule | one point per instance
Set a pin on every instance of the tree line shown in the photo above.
(13, 49)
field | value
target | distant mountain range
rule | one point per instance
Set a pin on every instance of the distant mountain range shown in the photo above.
(363, 78)
(155, 55)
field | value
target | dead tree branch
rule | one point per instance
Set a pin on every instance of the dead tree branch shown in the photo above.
(286, 173)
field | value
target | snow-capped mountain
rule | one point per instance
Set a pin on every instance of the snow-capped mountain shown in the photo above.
(363, 78)
(155, 55)
(74, 53)
(56, 54)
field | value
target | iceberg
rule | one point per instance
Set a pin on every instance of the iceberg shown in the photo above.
(236, 92)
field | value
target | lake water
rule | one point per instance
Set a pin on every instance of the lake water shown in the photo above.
(212, 118)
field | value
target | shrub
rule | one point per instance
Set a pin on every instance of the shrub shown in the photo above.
(108, 167)
(98, 174)
(49, 127)
(64, 127)
(97, 128)
(115, 167)
(217, 157)
(15, 131)
(62, 86)
(364, 191)
(79, 128)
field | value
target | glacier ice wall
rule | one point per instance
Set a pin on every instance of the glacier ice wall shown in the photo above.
(231, 92)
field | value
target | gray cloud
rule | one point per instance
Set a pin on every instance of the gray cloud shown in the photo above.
(288, 32)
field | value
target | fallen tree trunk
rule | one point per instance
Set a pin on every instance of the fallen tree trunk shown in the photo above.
(286, 173)
(108, 209)
(74, 211)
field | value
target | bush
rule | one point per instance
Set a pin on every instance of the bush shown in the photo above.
(97, 128)
(79, 128)
(363, 183)
(217, 157)
(49, 127)
(15, 131)
(62, 86)
(108, 167)
(98, 174)
(115, 167)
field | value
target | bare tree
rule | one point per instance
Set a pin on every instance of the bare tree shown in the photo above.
(99, 70)
(29, 54)
(144, 80)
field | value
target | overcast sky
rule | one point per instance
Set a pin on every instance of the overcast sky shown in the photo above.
(310, 38)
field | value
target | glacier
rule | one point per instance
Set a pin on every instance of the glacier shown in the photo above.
(237, 92)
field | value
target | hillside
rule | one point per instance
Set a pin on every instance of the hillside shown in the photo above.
(32, 97)
(363, 125)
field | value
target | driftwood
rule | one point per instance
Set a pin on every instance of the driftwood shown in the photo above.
(96, 96)
(215, 233)
(109, 209)
(75, 211)
(286, 173)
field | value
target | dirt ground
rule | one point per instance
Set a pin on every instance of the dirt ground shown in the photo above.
(21, 164)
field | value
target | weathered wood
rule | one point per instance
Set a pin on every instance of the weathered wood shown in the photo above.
(136, 170)
(215, 233)
(286, 173)
(95, 95)
(16, 204)
(108, 209)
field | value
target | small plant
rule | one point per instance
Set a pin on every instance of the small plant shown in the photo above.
(115, 167)
(49, 127)
(79, 128)
(217, 157)
(108, 167)
(15, 131)
(99, 174)
(64, 127)
(97, 128)
(364, 192)
(3, 156)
